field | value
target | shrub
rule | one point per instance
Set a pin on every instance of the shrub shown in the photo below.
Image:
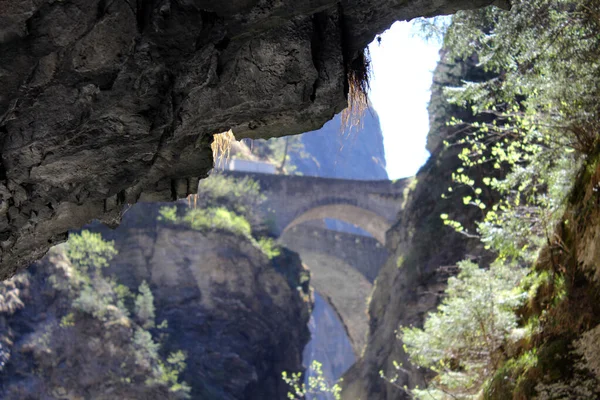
(317, 383)
(103, 299)
(240, 195)
(269, 247)
(168, 214)
(221, 218)
(89, 253)
(536, 116)
(460, 341)
(144, 306)
(217, 218)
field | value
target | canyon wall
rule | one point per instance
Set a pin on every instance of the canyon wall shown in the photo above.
(239, 318)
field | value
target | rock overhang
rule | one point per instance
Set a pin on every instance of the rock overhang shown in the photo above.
(105, 103)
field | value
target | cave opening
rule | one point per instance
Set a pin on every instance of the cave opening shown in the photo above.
(200, 266)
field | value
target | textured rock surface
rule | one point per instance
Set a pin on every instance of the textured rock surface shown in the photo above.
(412, 281)
(239, 317)
(239, 321)
(104, 103)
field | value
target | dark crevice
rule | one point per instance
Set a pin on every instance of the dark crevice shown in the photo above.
(144, 14)
(3, 135)
(319, 22)
(346, 50)
(212, 31)
(313, 95)
(101, 10)
(121, 196)
(173, 189)
(107, 81)
(222, 44)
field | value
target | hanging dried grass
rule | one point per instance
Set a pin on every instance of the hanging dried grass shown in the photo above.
(358, 75)
(221, 147)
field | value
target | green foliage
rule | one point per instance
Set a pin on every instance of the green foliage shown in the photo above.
(432, 29)
(171, 370)
(218, 218)
(279, 151)
(400, 261)
(146, 348)
(461, 339)
(240, 195)
(67, 320)
(144, 306)
(512, 377)
(168, 214)
(165, 373)
(89, 253)
(535, 116)
(93, 301)
(317, 383)
(269, 247)
(221, 218)
(104, 299)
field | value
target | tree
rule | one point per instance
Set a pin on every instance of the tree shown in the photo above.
(89, 253)
(536, 119)
(461, 340)
(144, 306)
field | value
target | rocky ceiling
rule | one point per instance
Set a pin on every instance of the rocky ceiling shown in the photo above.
(109, 102)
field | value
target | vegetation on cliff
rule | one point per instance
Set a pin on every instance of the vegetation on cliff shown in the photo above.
(528, 154)
(101, 331)
(227, 204)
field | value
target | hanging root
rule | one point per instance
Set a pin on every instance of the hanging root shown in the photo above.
(358, 74)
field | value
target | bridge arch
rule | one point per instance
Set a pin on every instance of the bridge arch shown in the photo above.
(344, 288)
(368, 220)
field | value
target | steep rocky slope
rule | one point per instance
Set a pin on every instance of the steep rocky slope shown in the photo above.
(412, 281)
(104, 103)
(345, 152)
(240, 319)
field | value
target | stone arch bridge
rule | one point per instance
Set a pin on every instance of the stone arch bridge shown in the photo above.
(294, 200)
(343, 265)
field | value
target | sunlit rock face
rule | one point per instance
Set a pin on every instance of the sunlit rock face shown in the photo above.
(345, 151)
(104, 103)
(240, 318)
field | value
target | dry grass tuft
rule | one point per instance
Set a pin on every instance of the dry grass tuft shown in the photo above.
(359, 72)
(221, 147)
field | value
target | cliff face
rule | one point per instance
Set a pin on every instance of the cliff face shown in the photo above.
(336, 151)
(412, 281)
(240, 318)
(106, 103)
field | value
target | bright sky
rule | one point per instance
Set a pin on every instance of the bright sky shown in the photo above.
(402, 67)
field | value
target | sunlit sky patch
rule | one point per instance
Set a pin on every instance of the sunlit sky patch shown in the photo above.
(402, 66)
